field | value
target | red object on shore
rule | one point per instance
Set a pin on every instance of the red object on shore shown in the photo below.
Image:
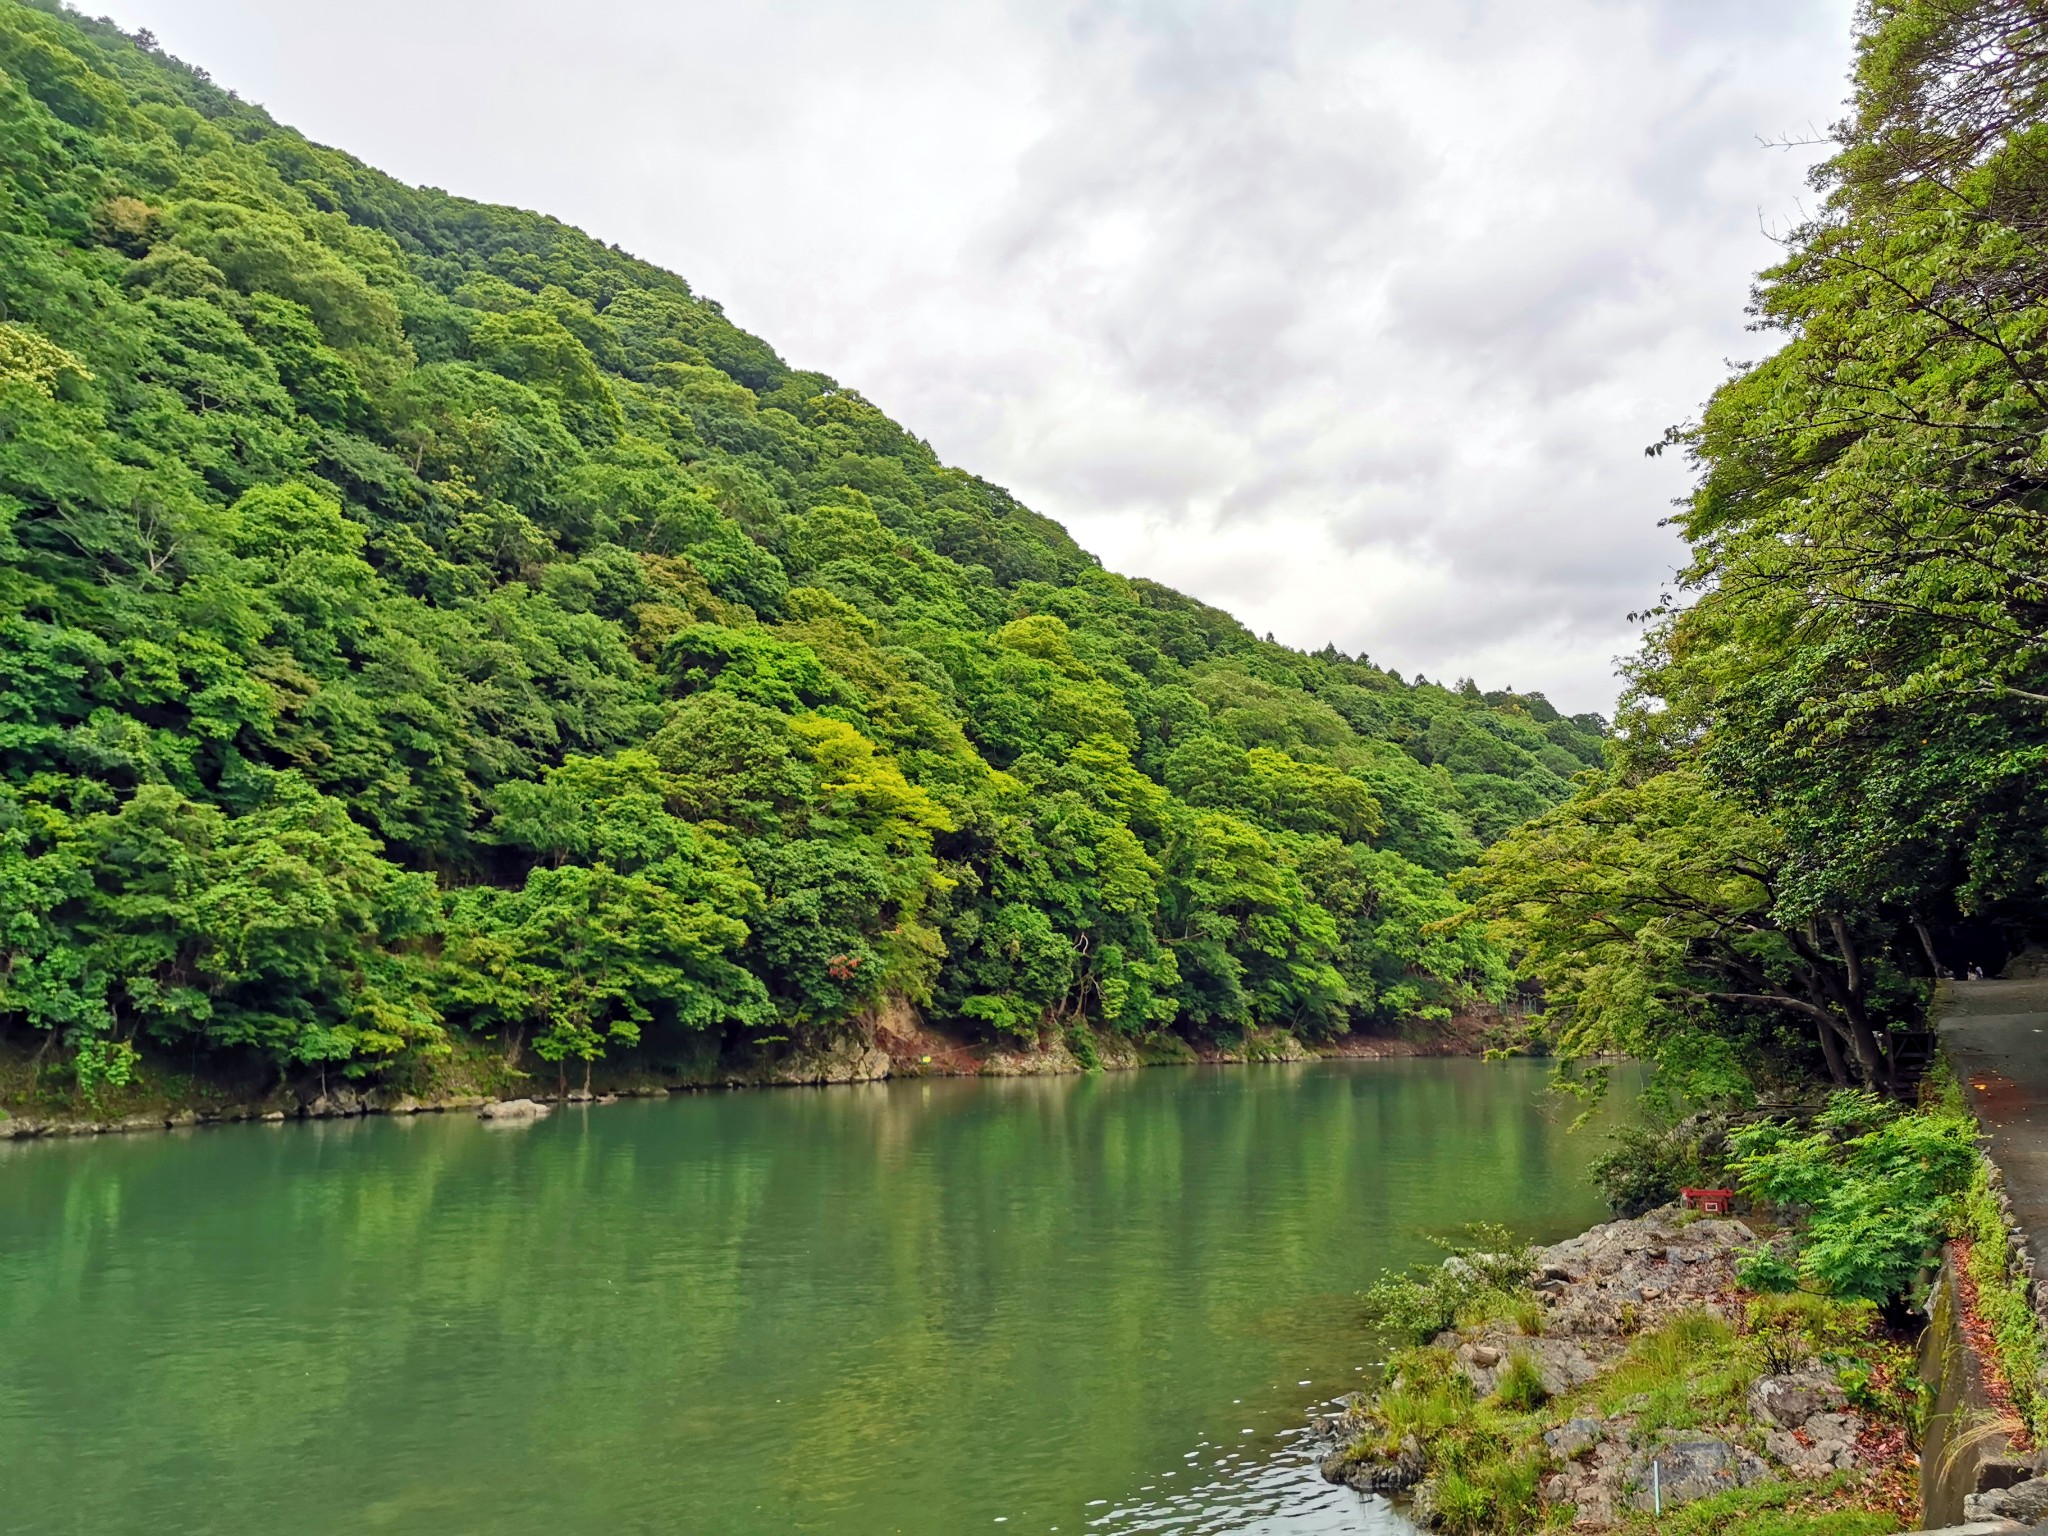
(1715, 1202)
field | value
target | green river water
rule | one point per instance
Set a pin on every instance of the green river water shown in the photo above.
(1084, 1305)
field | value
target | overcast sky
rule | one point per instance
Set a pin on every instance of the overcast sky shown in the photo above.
(1352, 318)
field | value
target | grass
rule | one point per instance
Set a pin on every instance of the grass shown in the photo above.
(1498, 1493)
(2002, 1300)
(1486, 1462)
(1770, 1509)
(1521, 1389)
(1694, 1370)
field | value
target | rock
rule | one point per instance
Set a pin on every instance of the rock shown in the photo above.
(1561, 1363)
(272, 1116)
(405, 1104)
(139, 1123)
(1592, 1483)
(849, 1060)
(336, 1103)
(514, 1110)
(1369, 1474)
(2026, 1503)
(1825, 1443)
(179, 1119)
(1789, 1400)
(1574, 1437)
(1686, 1470)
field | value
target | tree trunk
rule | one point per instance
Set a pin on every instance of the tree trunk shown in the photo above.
(1870, 1055)
(1831, 1048)
(1927, 944)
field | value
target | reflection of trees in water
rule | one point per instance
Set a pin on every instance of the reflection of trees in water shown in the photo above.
(898, 1303)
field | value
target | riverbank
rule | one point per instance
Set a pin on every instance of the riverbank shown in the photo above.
(1625, 1380)
(894, 1043)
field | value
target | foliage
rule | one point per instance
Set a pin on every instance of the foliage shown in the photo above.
(1649, 909)
(417, 617)
(1765, 1270)
(1827, 788)
(1486, 1274)
(1876, 1188)
(1646, 1164)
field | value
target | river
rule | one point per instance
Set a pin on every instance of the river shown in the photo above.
(931, 1307)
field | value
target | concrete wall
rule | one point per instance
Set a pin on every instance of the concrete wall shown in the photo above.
(1962, 1451)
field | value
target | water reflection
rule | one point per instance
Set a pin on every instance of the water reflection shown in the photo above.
(922, 1308)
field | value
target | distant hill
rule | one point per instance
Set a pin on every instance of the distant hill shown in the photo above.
(422, 623)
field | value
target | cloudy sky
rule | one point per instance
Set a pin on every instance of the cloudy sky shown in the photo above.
(1351, 316)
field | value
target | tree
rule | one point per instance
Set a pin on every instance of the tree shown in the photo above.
(1650, 913)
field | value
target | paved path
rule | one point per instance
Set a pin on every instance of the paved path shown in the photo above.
(1996, 1034)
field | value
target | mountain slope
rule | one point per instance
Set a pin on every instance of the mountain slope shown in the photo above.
(418, 618)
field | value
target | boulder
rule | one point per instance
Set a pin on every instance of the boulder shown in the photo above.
(1825, 1443)
(335, 1103)
(2026, 1503)
(1685, 1470)
(514, 1110)
(1574, 1437)
(1562, 1363)
(1377, 1474)
(1789, 1400)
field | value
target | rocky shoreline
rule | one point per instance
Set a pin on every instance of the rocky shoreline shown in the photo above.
(1634, 1376)
(894, 1044)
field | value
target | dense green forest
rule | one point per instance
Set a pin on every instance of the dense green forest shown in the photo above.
(1828, 785)
(417, 617)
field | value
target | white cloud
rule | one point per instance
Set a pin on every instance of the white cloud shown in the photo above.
(1353, 318)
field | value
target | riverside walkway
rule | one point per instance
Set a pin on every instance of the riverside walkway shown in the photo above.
(1995, 1034)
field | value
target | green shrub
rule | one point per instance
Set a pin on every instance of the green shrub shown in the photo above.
(1426, 1396)
(1766, 1270)
(1646, 1166)
(1484, 1277)
(1877, 1188)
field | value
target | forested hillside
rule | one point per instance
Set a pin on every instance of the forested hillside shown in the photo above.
(417, 617)
(1830, 780)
